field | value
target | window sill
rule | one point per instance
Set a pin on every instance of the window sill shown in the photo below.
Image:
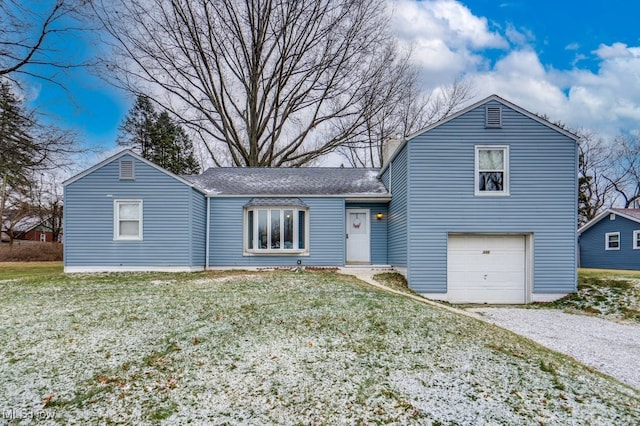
(492, 194)
(275, 253)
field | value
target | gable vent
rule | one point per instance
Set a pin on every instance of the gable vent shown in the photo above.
(494, 117)
(127, 170)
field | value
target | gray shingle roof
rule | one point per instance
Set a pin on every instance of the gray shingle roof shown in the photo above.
(274, 201)
(289, 181)
(635, 213)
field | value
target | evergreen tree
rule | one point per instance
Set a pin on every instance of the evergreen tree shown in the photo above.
(18, 149)
(18, 153)
(138, 127)
(158, 138)
(27, 149)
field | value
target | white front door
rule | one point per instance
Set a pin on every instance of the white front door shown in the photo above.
(358, 228)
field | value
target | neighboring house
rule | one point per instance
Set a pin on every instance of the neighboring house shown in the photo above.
(30, 228)
(479, 207)
(19, 225)
(40, 233)
(611, 240)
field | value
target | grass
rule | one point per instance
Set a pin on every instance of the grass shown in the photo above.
(13, 270)
(394, 281)
(276, 348)
(606, 293)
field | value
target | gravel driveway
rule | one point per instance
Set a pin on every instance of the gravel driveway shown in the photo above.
(606, 346)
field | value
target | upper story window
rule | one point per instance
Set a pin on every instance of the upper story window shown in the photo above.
(612, 241)
(127, 220)
(276, 229)
(636, 240)
(492, 170)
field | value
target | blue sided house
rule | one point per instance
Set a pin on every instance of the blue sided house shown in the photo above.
(477, 208)
(611, 240)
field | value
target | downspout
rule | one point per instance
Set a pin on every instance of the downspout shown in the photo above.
(207, 225)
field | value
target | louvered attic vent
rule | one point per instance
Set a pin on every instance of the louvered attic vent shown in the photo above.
(127, 170)
(494, 117)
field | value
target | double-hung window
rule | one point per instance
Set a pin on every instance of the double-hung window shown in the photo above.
(636, 240)
(276, 229)
(492, 170)
(612, 241)
(127, 220)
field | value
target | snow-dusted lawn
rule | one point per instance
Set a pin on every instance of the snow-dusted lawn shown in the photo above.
(609, 294)
(283, 348)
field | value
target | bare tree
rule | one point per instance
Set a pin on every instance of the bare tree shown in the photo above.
(595, 163)
(405, 110)
(30, 37)
(624, 175)
(47, 202)
(27, 148)
(266, 82)
(16, 209)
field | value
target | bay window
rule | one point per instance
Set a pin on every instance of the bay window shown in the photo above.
(276, 229)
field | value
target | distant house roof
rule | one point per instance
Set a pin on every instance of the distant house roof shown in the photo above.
(24, 224)
(631, 214)
(290, 181)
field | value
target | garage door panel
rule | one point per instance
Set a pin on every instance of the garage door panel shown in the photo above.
(505, 297)
(486, 269)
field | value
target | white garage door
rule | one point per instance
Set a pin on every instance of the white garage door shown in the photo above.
(486, 269)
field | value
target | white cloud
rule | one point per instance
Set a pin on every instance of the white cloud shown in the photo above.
(445, 37)
(616, 50)
(448, 41)
(519, 37)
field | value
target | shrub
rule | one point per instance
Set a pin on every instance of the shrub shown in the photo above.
(31, 252)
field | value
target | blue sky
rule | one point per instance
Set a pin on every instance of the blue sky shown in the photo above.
(564, 33)
(576, 61)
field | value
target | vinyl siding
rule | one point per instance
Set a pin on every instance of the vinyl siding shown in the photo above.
(326, 235)
(395, 179)
(198, 228)
(167, 219)
(592, 245)
(378, 237)
(542, 200)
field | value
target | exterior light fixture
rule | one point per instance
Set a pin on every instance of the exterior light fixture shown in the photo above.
(379, 216)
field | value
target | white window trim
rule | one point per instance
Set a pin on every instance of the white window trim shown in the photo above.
(476, 183)
(269, 251)
(606, 241)
(116, 221)
(636, 235)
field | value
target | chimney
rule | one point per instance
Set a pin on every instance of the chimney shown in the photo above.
(390, 147)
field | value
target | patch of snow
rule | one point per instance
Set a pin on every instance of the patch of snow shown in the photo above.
(276, 348)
